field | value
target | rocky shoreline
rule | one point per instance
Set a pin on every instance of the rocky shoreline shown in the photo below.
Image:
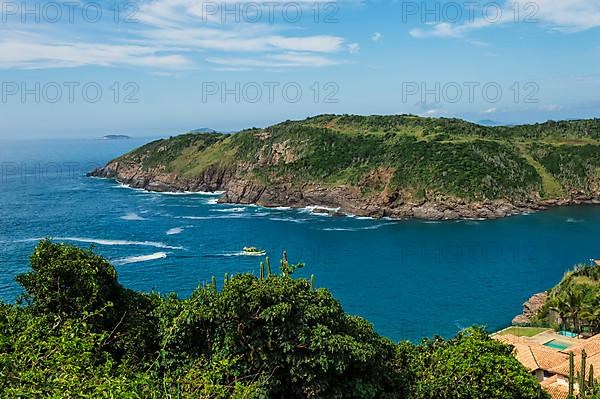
(340, 200)
(530, 308)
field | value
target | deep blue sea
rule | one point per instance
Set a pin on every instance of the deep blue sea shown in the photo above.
(409, 278)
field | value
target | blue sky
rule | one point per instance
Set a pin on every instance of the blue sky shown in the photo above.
(168, 66)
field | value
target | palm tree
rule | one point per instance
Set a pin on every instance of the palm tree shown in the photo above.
(591, 315)
(559, 307)
(573, 301)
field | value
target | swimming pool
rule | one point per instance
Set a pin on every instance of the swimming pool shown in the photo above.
(567, 334)
(557, 344)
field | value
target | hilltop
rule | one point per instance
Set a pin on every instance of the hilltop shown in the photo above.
(394, 166)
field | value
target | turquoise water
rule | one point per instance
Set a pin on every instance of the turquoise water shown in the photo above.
(409, 278)
(568, 334)
(557, 345)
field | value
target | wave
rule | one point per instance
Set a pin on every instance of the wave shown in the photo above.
(212, 201)
(127, 186)
(313, 208)
(114, 242)
(230, 210)
(174, 231)
(138, 259)
(571, 220)
(293, 220)
(361, 217)
(207, 193)
(375, 227)
(232, 216)
(132, 216)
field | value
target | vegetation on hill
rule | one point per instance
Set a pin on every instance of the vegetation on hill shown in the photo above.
(76, 332)
(574, 304)
(421, 157)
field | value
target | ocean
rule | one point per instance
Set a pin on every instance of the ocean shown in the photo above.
(409, 278)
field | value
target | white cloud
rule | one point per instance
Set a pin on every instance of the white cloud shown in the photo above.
(33, 52)
(563, 15)
(171, 34)
(274, 61)
(353, 48)
(376, 37)
(432, 112)
(489, 111)
(550, 107)
(569, 15)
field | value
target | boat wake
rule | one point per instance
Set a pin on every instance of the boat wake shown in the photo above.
(99, 241)
(132, 217)
(138, 259)
(174, 231)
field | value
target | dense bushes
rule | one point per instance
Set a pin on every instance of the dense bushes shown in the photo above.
(78, 333)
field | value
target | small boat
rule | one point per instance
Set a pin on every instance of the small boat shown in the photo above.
(253, 251)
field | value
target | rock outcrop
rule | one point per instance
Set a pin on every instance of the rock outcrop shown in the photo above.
(379, 166)
(343, 199)
(531, 308)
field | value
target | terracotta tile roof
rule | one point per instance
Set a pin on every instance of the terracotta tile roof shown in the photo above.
(591, 346)
(563, 368)
(556, 390)
(535, 356)
(592, 349)
(532, 354)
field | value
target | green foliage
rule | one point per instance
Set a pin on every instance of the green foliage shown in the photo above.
(577, 167)
(422, 157)
(68, 282)
(472, 365)
(80, 334)
(161, 153)
(575, 302)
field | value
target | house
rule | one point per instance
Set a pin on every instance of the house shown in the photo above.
(551, 366)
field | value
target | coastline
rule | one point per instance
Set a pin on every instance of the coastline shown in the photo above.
(334, 201)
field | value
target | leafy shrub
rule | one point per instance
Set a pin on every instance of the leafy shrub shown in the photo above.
(81, 334)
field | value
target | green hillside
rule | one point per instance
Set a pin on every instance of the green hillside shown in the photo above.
(420, 157)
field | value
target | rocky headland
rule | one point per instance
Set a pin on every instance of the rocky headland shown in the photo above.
(298, 165)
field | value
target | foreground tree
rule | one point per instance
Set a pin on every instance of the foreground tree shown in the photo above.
(79, 333)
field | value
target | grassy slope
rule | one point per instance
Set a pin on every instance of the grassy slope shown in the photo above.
(422, 156)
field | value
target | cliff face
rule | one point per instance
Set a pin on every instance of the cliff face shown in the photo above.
(336, 200)
(395, 168)
(530, 309)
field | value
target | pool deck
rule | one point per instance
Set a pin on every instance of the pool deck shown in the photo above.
(548, 336)
(541, 338)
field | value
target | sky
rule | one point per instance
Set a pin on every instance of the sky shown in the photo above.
(162, 67)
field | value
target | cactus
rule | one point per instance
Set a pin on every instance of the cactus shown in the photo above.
(571, 375)
(262, 271)
(582, 380)
(226, 278)
(312, 282)
(268, 263)
(591, 382)
(214, 282)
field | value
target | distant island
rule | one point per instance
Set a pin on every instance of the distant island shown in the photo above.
(116, 137)
(395, 166)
